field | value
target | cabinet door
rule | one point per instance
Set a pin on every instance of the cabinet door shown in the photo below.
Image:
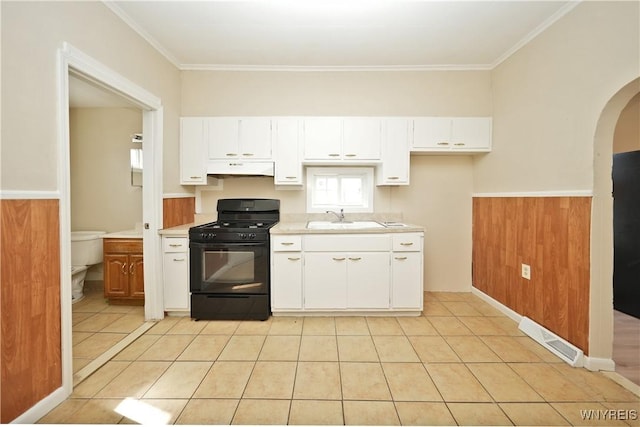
(325, 280)
(222, 138)
(368, 280)
(394, 169)
(286, 281)
(362, 139)
(432, 133)
(136, 276)
(288, 162)
(255, 138)
(322, 138)
(175, 275)
(116, 275)
(406, 282)
(193, 169)
(471, 133)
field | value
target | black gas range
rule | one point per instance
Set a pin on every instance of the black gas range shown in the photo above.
(229, 261)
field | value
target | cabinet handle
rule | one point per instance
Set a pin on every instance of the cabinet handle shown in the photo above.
(401, 258)
(406, 244)
(393, 177)
(355, 258)
(334, 155)
(124, 268)
(175, 245)
(247, 154)
(443, 143)
(339, 259)
(293, 258)
(286, 243)
(290, 177)
(350, 155)
(178, 259)
(459, 144)
(195, 177)
(231, 154)
(131, 271)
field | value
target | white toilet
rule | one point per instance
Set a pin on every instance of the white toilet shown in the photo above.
(86, 250)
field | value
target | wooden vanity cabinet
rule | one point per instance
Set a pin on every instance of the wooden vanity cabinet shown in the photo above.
(123, 270)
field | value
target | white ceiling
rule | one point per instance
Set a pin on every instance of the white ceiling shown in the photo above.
(331, 34)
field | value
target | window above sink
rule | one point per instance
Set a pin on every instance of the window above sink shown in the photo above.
(335, 188)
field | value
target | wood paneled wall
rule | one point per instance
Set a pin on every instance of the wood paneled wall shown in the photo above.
(30, 342)
(178, 211)
(552, 235)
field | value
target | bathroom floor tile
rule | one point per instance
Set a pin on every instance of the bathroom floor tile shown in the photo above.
(316, 412)
(97, 322)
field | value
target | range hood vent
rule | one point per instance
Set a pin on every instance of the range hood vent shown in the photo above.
(239, 168)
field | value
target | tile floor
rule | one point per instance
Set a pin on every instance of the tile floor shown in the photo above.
(461, 363)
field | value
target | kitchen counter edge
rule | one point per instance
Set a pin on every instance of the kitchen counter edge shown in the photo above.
(301, 228)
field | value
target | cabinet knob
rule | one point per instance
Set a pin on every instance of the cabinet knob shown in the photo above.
(406, 243)
(339, 259)
(290, 177)
(350, 155)
(355, 258)
(247, 154)
(231, 154)
(393, 177)
(334, 155)
(195, 177)
(131, 271)
(175, 245)
(124, 268)
(178, 259)
(401, 258)
(286, 243)
(293, 258)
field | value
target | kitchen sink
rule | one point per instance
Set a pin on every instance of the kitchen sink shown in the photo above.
(342, 225)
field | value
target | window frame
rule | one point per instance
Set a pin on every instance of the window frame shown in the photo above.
(368, 184)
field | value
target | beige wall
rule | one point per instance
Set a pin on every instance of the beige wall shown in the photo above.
(439, 197)
(548, 96)
(102, 197)
(627, 134)
(32, 33)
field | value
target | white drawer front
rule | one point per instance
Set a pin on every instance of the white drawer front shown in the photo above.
(175, 244)
(347, 242)
(407, 242)
(286, 243)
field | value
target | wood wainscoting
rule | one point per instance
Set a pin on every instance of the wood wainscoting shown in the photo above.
(552, 235)
(178, 211)
(30, 340)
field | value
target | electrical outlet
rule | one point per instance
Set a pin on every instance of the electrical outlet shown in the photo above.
(526, 271)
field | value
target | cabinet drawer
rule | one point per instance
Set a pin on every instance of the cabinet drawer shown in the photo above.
(347, 242)
(123, 245)
(286, 243)
(407, 242)
(175, 244)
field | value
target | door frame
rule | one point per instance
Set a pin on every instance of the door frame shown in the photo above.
(72, 60)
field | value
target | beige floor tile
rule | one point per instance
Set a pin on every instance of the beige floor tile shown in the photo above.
(370, 413)
(254, 327)
(481, 325)
(552, 387)
(357, 349)
(435, 308)
(410, 382)
(220, 327)
(94, 383)
(533, 414)
(363, 381)
(79, 363)
(151, 411)
(90, 305)
(316, 412)
(78, 337)
(180, 381)
(61, 413)
(461, 308)
(502, 383)
(588, 414)
(78, 317)
(317, 380)
(448, 325)
(509, 326)
(629, 411)
(472, 349)
(96, 344)
(384, 326)
(208, 412)
(280, 347)
(186, 326)
(544, 354)
(454, 296)
(262, 412)
(137, 348)
(271, 380)
(433, 349)
(602, 388)
(485, 309)
(356, 325)
(319, 326)
(167, 347)
(318, 348)
(417, 326)
(161, 327)
(205, 348)
(242, 347)
(394, 349)
(96, 411)
(225, 380)
(424, 414)
(286, 326)
(456, 383)
(124, 309)
(478, 414)
(509, 349)
(134, 380)
(125, 324)
(97, 322)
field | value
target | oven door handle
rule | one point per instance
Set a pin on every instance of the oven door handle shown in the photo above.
(219, 245)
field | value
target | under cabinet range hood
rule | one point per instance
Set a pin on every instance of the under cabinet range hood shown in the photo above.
(240, 168)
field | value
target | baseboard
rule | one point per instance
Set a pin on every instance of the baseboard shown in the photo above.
(42, 408)
(599, 364)
(497, 305)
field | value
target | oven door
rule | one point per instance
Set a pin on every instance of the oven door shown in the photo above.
(229, 268)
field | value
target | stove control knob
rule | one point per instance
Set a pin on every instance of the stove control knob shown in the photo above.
(211, 235)
(242, 235)
(252, 235)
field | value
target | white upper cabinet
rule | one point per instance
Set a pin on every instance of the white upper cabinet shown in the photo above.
(287, 153)
(193, 167)
(451, 134)
(342, 139)
(232, 138)
(394, 169)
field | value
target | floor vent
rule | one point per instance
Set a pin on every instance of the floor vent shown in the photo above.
(558, 346)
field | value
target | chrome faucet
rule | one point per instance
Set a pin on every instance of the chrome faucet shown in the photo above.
(339, 215)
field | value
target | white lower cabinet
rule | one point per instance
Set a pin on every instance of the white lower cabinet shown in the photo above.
(175, 273)
(368, 280)
(286, 271)
(325, 280)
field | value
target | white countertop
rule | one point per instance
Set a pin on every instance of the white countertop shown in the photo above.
(126, 234)
(301, 228)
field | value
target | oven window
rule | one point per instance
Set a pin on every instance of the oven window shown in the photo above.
(234, 270)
